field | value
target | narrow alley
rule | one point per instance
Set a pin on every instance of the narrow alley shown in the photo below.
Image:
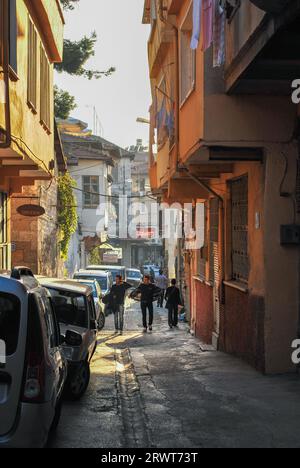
(165, 390)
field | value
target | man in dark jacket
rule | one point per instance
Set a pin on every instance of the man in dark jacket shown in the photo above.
(149, 293)
(117, 301)
(173, 301)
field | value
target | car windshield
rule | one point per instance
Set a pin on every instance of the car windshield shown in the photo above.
(134, 274)
(10, 310)
(101, 280)
(70, 308)
(113, 271)
(116, 272)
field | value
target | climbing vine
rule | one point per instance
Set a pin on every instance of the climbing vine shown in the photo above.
(67, 213)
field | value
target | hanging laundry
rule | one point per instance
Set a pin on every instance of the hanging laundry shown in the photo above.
(208, 13)
(219, 24)
(197, 18)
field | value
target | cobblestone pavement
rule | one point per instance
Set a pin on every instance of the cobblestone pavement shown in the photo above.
(162, 390)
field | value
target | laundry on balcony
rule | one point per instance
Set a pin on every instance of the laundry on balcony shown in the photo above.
(208, 13)
(219, 21)
(197, 19)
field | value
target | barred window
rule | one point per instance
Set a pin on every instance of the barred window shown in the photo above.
(32, 66)
(202, 253)
(91, 198)
(214, 239)
(45, 90)
(239, 229)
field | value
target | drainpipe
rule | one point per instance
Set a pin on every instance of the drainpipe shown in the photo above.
(5, 59)
(222, 221)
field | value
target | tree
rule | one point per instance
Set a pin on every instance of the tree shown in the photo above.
(64, 103)
(76, 54)
(67, 212)
(68, 4)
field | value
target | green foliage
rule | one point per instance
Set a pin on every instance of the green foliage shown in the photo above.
(76, 54)
(64, 103)
(94, 256)
(68, 4)
(67, 212)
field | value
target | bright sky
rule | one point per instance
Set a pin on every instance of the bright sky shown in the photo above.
(122, 43)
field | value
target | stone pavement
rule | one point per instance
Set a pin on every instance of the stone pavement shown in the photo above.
(161, 390)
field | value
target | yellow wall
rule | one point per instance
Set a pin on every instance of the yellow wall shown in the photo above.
(24, 123)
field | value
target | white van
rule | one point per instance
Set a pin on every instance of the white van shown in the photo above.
(33, 376)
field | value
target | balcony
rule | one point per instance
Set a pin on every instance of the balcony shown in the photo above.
(262, 53)
(162, 35)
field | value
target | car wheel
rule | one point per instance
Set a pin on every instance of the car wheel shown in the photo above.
(101, 321)
(57, 416)
(79, 382)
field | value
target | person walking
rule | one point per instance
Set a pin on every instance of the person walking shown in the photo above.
(173, 299)
(148, 291)
(117, 301)
(161, 282)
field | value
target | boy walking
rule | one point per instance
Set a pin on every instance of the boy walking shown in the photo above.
(173, 301)
(117, 293)
(148, 291)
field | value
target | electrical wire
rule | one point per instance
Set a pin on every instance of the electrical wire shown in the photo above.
(115, 196)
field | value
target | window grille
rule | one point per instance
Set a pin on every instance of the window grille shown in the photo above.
(239, 229)
(214, 238)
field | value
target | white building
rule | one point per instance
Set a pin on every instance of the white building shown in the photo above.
(90, 163)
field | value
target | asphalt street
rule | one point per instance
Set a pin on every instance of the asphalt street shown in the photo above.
(163, 390)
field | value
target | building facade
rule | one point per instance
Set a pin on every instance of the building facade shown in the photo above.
(227, 134)
(90, 161)
(131, 178)
(31, 41)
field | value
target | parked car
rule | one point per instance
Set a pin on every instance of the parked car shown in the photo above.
(75, 310)
(99, 306)
(104, 279)
(32, 379)
(113, 269)
(134, 276)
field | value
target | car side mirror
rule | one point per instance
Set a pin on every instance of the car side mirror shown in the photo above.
(73, 338)
(93, 325)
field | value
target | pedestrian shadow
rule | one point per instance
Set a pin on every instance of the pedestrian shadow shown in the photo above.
(105, 338)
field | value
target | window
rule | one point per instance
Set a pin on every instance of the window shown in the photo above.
(214, 239)
(187, 58)
(45, 90)
(32, 66)
(13, 35)
(10, 308)
(91, 187)
(153, 12)
(4, 254)
(142, 185)
(70, 308)
(239, 229)
(202, 254)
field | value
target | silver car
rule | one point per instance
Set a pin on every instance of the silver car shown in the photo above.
(99, 306)
(32, 378)
(104, 279)
(75, 310)
(134, 276)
